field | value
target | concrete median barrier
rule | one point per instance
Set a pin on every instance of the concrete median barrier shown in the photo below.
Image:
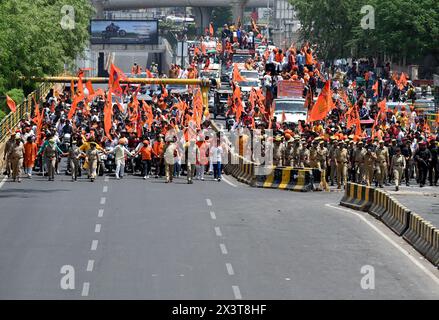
(379, 203)
(286, 178)
(423, 236)
(396, 217)
(358, 197)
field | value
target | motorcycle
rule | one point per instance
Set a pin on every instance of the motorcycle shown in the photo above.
(109, 161)
(113, 32)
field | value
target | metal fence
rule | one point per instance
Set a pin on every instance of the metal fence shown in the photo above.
(23, 110)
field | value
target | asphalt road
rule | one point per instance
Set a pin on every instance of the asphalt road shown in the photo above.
(136, 239)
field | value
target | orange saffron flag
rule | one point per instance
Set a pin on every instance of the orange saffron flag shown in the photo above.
(11, 104)
(89, 87)
(323, 104)
(211, 32)
(108, 114)
(375, 88)
(236, 75)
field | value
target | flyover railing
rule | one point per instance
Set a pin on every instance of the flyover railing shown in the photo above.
(23, 110)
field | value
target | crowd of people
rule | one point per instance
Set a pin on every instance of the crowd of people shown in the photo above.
(83, 124)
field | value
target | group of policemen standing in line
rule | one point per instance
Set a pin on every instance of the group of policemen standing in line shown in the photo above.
(359, 162)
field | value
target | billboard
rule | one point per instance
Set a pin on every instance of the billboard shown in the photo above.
(124, 32)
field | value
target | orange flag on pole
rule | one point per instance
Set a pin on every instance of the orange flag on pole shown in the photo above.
(236, 75)
(89, 87)
(323, 104)
(11, 104)
(211, 32)
(108, 113)
(115, 76)
(382, 105)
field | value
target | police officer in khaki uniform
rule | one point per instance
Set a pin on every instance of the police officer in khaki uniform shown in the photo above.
(322, 155)
(342, 159)
(382, 154)
(369, 160)
(288, 156)
(92, 158)
(297, 149)
(8, 148)
(16, 156)
(313, 157)
(358, 159)
(278, 151)
(397, 166)
(332, 160)
(304, 155)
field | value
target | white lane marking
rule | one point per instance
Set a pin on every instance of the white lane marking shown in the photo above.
(101, 213)
(218, 232)
(103, 199)
(209, 203)
(223, 248)
(230, 269)
(397, 246)
(237, 292)
(107, 178)
(105, 189)
(94, 245)
(228, 182)
(98, 228)
(3, 181)
(90, 265)
(212, 215)
(85, 289)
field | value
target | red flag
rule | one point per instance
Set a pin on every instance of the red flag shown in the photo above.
(323, 104)
(115, 76)
(11, 104)
(211, 29)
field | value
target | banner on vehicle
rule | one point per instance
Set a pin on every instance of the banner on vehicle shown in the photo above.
(290, 89)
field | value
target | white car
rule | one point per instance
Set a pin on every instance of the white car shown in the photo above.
(292, 107)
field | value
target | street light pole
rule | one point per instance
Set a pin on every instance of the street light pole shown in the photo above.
(182, 38)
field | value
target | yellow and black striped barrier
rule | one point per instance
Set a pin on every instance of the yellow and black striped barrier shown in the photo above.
(286, 178)
(423, 236)
(379, 203)
(357, 197)
(396, 217)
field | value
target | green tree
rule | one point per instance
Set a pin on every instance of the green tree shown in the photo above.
(33, 42)
(404, 30)
(221, 16)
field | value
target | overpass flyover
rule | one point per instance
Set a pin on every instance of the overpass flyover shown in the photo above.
(202, 14)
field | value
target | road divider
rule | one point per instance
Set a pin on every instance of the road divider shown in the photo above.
(419, 233)
(358, 197)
